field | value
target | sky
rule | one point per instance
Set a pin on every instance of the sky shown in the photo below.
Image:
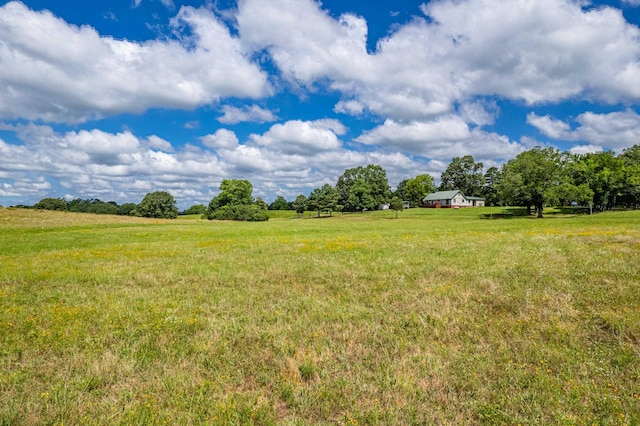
(115, 99)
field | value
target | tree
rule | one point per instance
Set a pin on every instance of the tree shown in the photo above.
(126, 209)
(262, 203)
(195, 209)
(417, 188)
(604, 174)
(397, 205)
(235, 202)
(363, 188)
(490, 189)
(280, 203)
(631, 156)
(300, 204)
(233, 192)
(531, 178)
(101, 207)
(631, 191)
(93, 206)
(241, 212)
(401, 190)
(78, 205)
(159, 205)
(463, 174)
(323, 199)
(51, 204)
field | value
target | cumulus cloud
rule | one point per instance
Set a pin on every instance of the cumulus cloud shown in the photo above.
(616, 130)
(302, 137)
(54, 71)
(124, 167)
(222, 138)
(350, 107)
(464, 49)
(253, 113)
(93, 162)
(479, 113)
(156, 142)
(585, 149)
(304, 41)
(442, 138)
(549, 126)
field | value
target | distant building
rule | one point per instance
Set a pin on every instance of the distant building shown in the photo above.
(451, 200)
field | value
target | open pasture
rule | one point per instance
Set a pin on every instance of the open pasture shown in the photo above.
(438, 317)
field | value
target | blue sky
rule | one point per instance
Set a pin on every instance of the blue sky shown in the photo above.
(113, 100)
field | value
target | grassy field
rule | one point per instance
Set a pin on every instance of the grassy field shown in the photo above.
(438, 317)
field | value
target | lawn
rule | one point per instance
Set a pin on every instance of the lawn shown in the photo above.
(437, 317)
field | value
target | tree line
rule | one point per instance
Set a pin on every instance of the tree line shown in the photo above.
(533, 179)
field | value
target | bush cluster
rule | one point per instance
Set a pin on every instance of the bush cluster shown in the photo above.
(244, 212)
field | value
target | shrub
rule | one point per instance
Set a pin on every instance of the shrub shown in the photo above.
(51, 204)
(243, 212)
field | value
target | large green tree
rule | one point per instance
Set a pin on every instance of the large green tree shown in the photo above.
(463, 174)
(93, 206)
(362, 188)
(604, 174)
(300, 204)
(159, 205)
(323, 199)
(235, 202)
(401, 189)
(490, 190)
(233, 192)
(631, 191)
(417, 188)
(531, 178)
(51, 204)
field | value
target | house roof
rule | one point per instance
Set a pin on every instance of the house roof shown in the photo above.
(442, 195)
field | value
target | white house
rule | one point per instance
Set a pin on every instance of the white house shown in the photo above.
(451, 199)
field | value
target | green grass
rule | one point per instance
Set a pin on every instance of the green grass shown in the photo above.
(438, 317)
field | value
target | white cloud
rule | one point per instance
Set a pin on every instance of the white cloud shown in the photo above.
(253, 113)
(303, 40)
(549, 126)
(585, 149)
(94, 163)
(351, 107)
(302, 137)
(616, 130)
(442, 138)
(536, 52)
(632, 3)
(221, 139)
(55, 71)
(480, 113)
(124, 167)
(157, 142)
(542, 51)
(166, 3)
